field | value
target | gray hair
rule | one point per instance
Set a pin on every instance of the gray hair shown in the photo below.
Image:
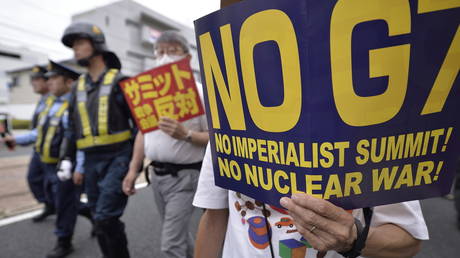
(171, 36)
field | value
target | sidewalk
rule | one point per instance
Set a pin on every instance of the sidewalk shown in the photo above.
(15, 196)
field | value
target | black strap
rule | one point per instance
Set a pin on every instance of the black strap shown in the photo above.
(363, 232)
(165, 168)
(147, 174)
(269, 233)
(367, 219)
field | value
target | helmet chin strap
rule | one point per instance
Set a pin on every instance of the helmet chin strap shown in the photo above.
(86, 60)
(83, 62)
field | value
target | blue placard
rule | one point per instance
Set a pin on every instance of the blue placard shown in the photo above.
(353, 101)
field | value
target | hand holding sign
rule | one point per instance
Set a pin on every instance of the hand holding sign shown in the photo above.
(173, 128)
(166, 91)
(325, 226)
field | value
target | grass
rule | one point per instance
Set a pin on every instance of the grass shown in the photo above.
(19, 124)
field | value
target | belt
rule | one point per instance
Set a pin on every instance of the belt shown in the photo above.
(165, 168)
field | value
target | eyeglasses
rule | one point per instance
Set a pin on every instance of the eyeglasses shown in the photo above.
(159, 52)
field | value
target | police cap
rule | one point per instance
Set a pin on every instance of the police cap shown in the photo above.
(38, 72)
(60, 69)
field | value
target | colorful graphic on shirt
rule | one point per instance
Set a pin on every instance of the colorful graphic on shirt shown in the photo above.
(165, 91)
(258, 234)
(342, 100)
(292, 248)
(292, 244)
(280, 210)
(243, 205)
(288, 223)
(285, 222)
(256, 225)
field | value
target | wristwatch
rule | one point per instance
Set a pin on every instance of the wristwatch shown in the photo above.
(188, 137)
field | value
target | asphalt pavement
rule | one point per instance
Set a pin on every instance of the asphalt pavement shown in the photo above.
(33, 240)
(25, 239)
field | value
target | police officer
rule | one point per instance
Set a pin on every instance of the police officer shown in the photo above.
(103, 130)
(35, 174)
(50, 134)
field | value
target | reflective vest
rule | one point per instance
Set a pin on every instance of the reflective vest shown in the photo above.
(37, 115)
(90, 137)
(48, 142)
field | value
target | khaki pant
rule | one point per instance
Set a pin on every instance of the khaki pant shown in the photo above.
(174, 196)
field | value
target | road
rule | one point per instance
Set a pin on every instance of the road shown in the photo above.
(29, 240)
(25, 239)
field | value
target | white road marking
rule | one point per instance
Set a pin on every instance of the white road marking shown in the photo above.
(19, 217)
(31, 214)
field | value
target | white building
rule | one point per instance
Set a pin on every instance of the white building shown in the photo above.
(14, 88)
(130, 31)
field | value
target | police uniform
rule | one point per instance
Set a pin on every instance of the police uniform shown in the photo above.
(102, 127)
(50, 132)
(35, 173)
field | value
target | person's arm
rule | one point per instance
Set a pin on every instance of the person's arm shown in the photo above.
(79, 173)
(138, 153)
(213, 223)
(330, 228)
(68, 147)
(211, 233)
(389, 240)
(25, 139)
(134, 165)
(199, 138)
(178, 131)
(80, 160)
(68, 151)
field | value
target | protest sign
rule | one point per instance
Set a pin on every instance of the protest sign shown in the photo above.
(352, 101)
(165, 91)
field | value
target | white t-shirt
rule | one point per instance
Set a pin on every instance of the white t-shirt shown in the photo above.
(246, 229)
(161, 147)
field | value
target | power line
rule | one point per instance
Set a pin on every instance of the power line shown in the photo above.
(32, 4)
(27, 42)
(43, 49)
(28, 31)
(26, 26)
